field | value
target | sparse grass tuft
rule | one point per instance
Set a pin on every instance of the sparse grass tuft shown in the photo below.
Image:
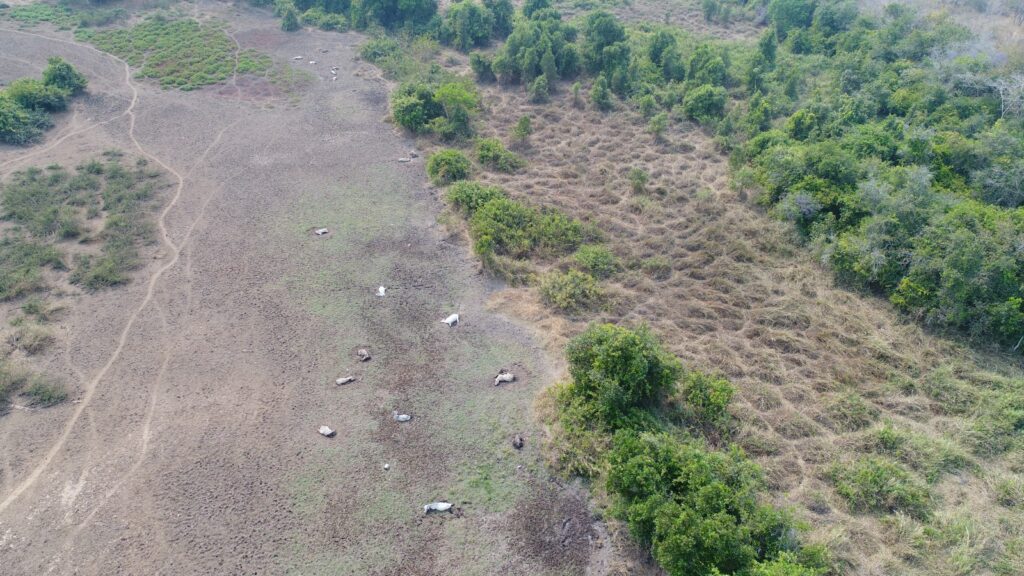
(45, 393)
(849, 412)
(874, 484)
(32, 339)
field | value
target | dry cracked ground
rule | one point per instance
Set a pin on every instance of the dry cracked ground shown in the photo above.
(189, 442)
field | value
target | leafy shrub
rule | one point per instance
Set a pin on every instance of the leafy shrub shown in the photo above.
(597, 261)
(695, 508)
(290, 21)
(18, 125)
(468, 197)
(705, 103)
(706, 400)
(570, 292)
(873, 484)
(482, 66)
(619, 371)
(522, 130)
(393, 13)
(447, 166)
(414, 107)
(638, 180)
(35, 95)
(379, 48)
(540, 90)
(503, 226)
(491, 153)
(45, 393)
(600, 95)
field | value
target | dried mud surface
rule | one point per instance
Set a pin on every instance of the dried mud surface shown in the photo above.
(189, 443)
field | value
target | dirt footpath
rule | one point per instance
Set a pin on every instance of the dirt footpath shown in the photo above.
(191, 445)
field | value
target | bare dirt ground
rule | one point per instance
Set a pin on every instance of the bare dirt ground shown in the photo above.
(189, 445)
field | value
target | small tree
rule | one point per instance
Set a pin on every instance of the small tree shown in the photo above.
(577, 101)
(705, 103)
(600, 95)
(523, 130)
(619, 370)
(62, 75)
(658, 125)
(637, 180)
(290, 21)
(539, 90)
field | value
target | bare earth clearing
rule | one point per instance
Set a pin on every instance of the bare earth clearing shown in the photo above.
(189, 445)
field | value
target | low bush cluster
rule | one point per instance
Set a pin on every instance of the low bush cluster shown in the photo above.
(448, 166)
(26, 104)
(52, 205)
(571, 292)
(492, 153)
(694, 507)
(184, 54)
(446, 109)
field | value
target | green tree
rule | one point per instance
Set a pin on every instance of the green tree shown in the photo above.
(600, 95)
(619, 371)
(540, 90)
(290, 21)
(503, 12)
(705, 103)
(787, 15)
(601, 30)
(530, 7)
(35, 95)
(62, 75)
(523, 129)
(467, 24)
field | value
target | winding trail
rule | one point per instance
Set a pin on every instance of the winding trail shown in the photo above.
(175, 250)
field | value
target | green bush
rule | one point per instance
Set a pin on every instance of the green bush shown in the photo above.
(600, 95)
(468, 197)
(482, 66)
(379, 48)
(525, 54)
(44, 393)
(705, 103)
(505, 227)
(619, 371)
(18, 125)
(597, 261)
(570, 292)
(493, 154)
(290, 21)
(522, 130)
(447, 166)
(414, 107)
(539, 90)
(63, 76)
(638, 180)
(35, 95)
(873, 484)
(706, 400)
(697, 509)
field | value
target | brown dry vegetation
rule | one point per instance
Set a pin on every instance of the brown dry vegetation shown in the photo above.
(819, 369)
(684, 13)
